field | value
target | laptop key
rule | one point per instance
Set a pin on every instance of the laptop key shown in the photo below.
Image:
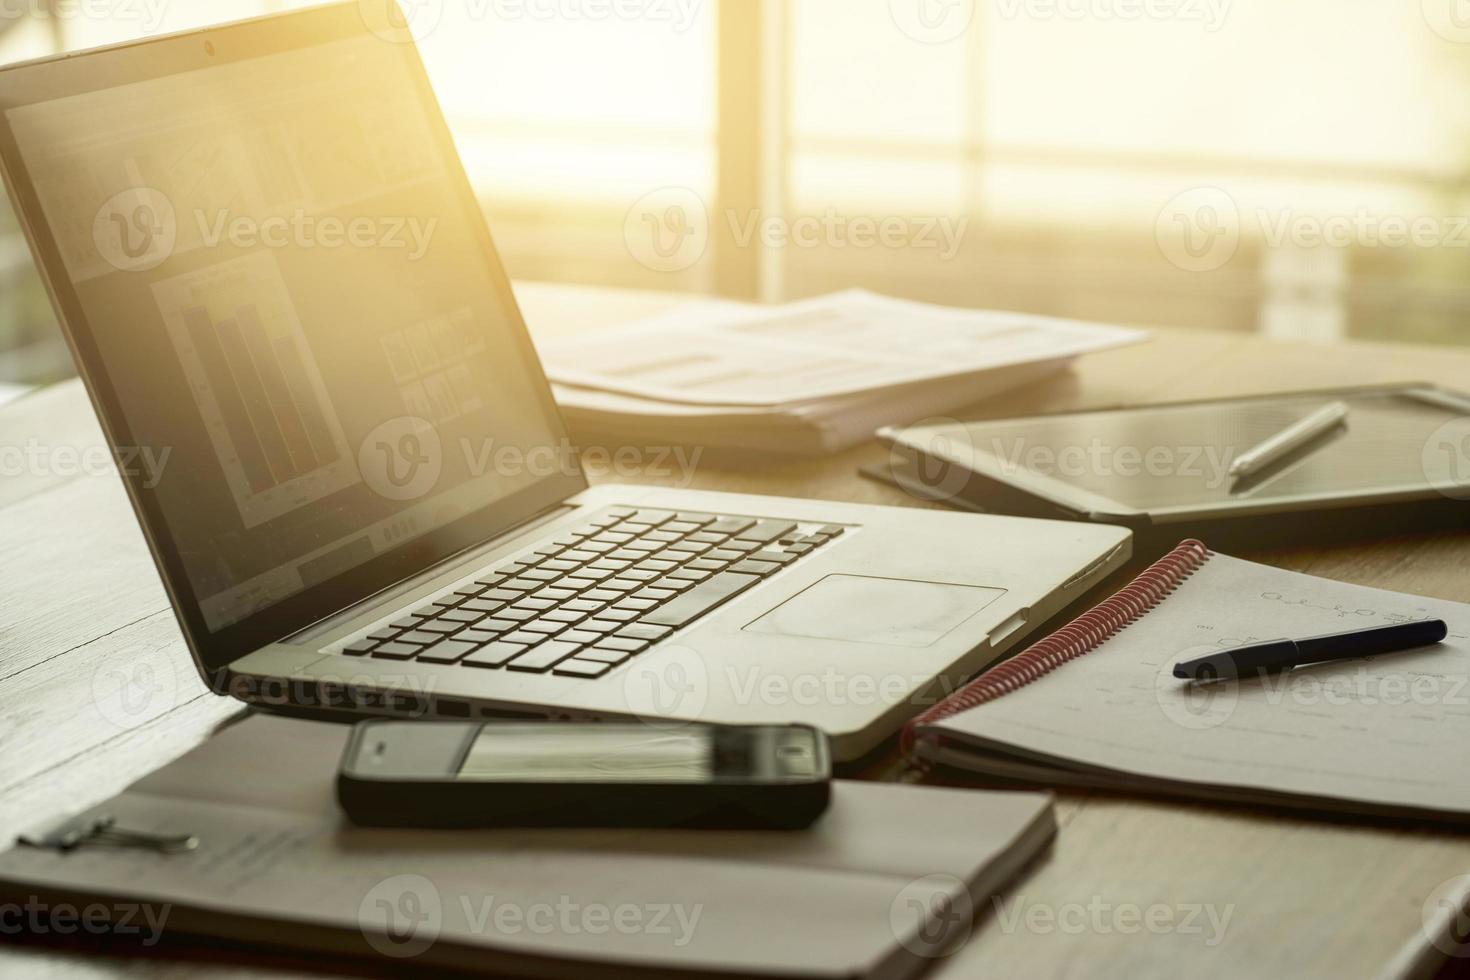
(582, 668)
(621, 644)
(690, 575)
(697, 519)
(524, 637)
(474, 636)
(543, 658)
(447, 652)
(406, 623)
(583, 605)
(730, 525)
(644, 631)
(655, 595)
(359, 649)
(779, 557)
(706, 565)
(396, 651)
(445, 626)
(493, 655)
(723, 554)
(462, 616)
(382, 636)
(580, 636)
(636, 605)
(756, 567)
(600, 627)
(497, 625)
(419, 637)
(610, 657)
(543, 626)
(482, 605)
(699, 600)
(621, 615)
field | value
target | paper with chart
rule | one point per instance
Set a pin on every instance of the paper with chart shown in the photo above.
(840, 345)
(1389, 731)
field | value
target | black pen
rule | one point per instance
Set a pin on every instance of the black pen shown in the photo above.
(1280, 654)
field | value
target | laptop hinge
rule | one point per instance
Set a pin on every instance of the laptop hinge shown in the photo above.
(468, 557)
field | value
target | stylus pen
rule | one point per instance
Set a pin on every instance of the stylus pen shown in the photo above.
(1290, 439)
(1280, 654)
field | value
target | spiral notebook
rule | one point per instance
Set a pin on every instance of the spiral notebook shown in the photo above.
(1096, 703)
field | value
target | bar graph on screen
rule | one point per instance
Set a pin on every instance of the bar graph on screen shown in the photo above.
(257, 385)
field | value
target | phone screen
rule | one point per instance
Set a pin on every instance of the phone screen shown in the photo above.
(599, 753)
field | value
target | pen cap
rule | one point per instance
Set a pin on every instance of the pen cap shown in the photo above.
(1366, 643)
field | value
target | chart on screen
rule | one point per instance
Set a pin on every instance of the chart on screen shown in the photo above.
(257, 386)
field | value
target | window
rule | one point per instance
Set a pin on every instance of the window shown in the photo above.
(1295, 167)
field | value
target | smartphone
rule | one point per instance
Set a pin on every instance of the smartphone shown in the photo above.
(471, 774)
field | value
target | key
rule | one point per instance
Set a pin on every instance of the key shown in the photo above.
(533, 603)
(496, 625)
(637, 605)
(564, 616)
(430, 611)
(490, 581)
(541, 575)
(621, 615)
(655, 595)
(584, 605)
(406, 623)
(698, 520)
(445, 626)
(501, 595)
(620, 644)
(676, 584)
(395, 651)
(544, 657)
(662, 536)
(831, 530)
(642, 574)
(724, 555)
(511, 570)
(543, 626)
(482, 605)
(419, 638)
(701, 599)
(461, 616)
(382, 636)
(706, 565)
(493, 655)
(690, 575)
(768, 530)
(471, 590)
(517, 614)
(707, 537)
(656, 565)
(679, 527)
(582, 668)
(524, 637)
(653, 517)
(600, 627)
(799, 548)
(474, 636)
(730, 525)
(644, 631)
(612, 657)
(447, 652)
(554, 594)
(522, 584)
(560, 565)
(579, 636)
(359, 649)
(579, 556)
(779, 557)
(756, 567)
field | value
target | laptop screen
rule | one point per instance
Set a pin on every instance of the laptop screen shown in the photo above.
(293, 311)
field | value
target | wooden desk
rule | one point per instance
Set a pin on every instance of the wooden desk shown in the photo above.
(1304, 898)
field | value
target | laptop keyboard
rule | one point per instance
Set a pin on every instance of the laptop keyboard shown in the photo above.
(592, 599)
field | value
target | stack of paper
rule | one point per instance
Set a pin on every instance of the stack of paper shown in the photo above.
(807, 377)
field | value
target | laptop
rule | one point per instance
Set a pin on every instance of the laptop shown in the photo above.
(285, 304)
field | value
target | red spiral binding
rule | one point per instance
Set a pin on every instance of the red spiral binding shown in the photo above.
(1082, 635)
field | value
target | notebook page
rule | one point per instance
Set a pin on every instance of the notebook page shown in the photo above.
(1386, 730)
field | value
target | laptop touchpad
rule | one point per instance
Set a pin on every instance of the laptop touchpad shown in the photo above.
(887, 611)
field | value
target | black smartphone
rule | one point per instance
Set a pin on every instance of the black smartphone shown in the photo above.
(471, 774)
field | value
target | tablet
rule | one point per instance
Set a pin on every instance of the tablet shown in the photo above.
(1170, 464)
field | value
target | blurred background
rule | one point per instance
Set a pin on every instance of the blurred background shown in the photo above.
(1299, 168)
